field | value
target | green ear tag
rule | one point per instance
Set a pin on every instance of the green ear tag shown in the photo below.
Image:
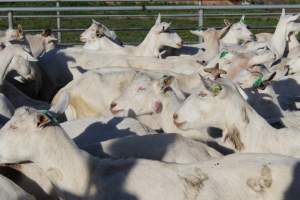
(50, 116)
(216, 88)
(258, 81)
(223, 53)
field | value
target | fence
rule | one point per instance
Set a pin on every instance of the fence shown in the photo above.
(59, 10)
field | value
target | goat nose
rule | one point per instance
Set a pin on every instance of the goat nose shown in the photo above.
(112, 105)
(175, 116)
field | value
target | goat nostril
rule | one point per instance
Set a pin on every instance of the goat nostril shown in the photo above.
(175, 116)
(112, 105)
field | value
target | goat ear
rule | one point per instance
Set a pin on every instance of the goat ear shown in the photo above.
(95, 22)
(47, 32)
(215, 71)
(293, 18)
(168, 80)
(271, 77)
(242, 20)
(283, 12)
(223, 31)
(113, 34)
(42, 121)
(158, 19)
(206, 82)
(227, 22)
(20, 29)
(61, 105)
(267, 81)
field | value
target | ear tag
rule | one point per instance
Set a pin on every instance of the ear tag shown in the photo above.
(216, 88)
(258, 81)
(168, 94)
(49, 116)
(242, 21)
(223, 53)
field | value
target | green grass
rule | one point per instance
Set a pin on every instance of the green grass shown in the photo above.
(125, 23)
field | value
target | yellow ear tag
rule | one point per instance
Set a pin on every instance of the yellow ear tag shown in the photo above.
(168, 94)
(216, 88)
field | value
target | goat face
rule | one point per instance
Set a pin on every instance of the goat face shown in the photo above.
(19, 136)
(165, 37)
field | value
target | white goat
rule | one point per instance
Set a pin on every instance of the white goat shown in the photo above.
(221, 105)
(99, 37)
(40, 44)
(89, 101)
(153, 102)
(14, 57)
(11, 35)
(250, 176)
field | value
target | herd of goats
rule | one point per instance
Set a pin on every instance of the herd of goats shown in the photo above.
(162, 120)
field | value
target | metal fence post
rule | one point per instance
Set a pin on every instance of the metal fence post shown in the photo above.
(10, 19)
(58, 23)
(200, 18)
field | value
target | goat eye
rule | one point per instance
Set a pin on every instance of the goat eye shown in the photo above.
(202, 94)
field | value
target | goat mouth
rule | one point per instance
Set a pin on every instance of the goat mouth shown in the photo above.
(115, 112)
(178, 124)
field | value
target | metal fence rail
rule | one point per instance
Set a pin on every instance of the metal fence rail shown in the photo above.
(198, 10)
